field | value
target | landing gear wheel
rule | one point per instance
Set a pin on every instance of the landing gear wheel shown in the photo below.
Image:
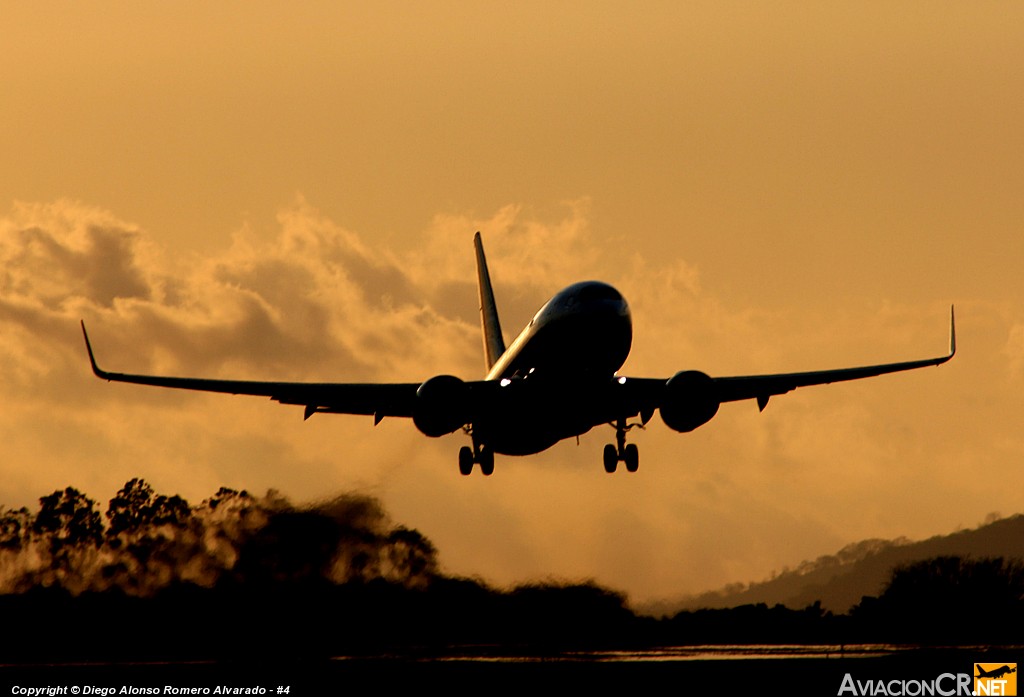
(611, 458)
(486, 459)
(466, 460)
(479, 453)
(621, 452)
(631, 456)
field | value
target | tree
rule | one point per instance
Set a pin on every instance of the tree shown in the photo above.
(135, 508)
(70, 528)
(411, 557)
(15, 527)
(68, 519)
(949, 599)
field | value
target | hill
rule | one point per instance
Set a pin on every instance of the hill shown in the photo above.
(861, 569)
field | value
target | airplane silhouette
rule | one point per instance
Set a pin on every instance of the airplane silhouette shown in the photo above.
(556, 380)
(996, 673)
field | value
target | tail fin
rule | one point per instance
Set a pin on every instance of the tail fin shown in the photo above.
(494, 344)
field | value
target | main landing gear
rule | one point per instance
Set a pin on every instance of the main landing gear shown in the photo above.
(478, 453)
(620, 452)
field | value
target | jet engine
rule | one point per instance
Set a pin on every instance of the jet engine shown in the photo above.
(442, 405)
(690, 401)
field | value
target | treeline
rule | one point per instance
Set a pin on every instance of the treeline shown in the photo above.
(155, 578)
(146, 542)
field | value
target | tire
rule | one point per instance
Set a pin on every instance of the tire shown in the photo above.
(611, 458)
(487, 462)
(465, 460)
(632, 458)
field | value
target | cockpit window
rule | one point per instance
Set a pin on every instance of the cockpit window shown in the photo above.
(597, 291)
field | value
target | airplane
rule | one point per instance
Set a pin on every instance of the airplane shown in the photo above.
(558, 379)
(996, 673)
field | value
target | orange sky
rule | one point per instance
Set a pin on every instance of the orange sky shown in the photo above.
(258, 190)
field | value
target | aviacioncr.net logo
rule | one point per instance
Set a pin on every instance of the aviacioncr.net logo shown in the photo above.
(945, 685)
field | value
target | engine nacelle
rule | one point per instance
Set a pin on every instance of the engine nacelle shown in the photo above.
(442, 406)
(690, 401)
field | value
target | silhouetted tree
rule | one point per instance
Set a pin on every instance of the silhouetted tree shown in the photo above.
(410, 557)
(15, 527)
(228, 518)
(948, 599)
(293, 547)
(152, 536)
(69, 529)
(68, 519)
(136, 507)
(230, 498)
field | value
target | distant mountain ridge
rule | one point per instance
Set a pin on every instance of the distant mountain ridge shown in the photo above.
(860, 569)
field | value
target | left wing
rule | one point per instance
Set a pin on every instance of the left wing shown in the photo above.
(650, 394)
(380, 400)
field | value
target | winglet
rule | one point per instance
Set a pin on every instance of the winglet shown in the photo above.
(92, 358)
(952, 332)
(494, 344)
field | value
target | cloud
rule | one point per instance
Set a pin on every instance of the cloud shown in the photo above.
(312, 299)
(55, 254)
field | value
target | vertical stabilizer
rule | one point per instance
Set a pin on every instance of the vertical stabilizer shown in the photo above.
(494, 344)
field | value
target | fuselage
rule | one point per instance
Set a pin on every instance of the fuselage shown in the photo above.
(558, 369)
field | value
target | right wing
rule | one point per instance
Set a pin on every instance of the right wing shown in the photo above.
(645, 395)
(761, 387)
(378, 399)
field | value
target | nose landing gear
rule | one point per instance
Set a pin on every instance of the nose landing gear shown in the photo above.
(620, 452)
